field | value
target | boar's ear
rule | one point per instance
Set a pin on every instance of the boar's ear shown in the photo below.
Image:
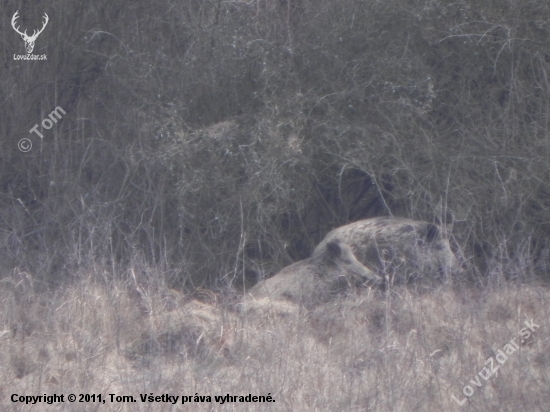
(334, 250)
(446, 220)
(431, 232)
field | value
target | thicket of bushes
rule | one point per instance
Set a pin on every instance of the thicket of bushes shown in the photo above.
(221, 140)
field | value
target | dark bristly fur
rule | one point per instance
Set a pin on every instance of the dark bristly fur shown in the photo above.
(317, 279)
(402, 248)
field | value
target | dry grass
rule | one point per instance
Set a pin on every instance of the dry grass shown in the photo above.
(374, 351)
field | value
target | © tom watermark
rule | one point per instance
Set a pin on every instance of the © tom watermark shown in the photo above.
(29, 40)
(501, 358)
(25, 144)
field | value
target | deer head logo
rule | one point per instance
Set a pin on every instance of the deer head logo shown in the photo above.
(29, 40)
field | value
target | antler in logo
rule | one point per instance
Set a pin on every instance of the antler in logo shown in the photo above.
(29, 40)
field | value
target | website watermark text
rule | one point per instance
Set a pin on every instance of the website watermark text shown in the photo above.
(492, 366)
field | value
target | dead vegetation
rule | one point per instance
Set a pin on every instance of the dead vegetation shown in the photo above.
(376, 350)
(208, 144)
